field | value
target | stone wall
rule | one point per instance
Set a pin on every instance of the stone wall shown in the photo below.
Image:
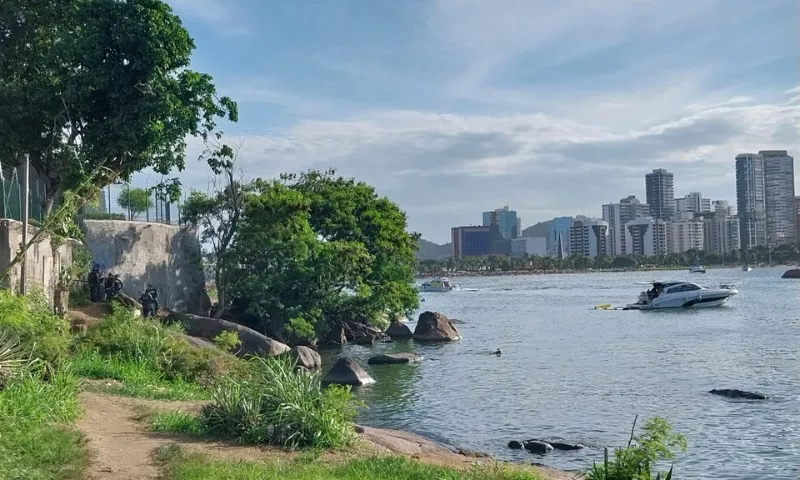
(166, 256)
(43, 265)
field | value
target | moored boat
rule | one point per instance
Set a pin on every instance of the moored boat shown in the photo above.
(442, 284)
(682, 295)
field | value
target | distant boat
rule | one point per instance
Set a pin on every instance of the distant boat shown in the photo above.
(697, 269)
(746, 268)
(438, 285)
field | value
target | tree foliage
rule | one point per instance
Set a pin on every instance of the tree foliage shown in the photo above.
(100, 89)
(136, 201)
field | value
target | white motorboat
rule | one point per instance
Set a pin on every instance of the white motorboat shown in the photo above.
(746, 268)
(697, 269)
(442, 284)
(682, 295)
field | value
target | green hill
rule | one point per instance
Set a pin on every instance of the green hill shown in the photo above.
(433, 251)
(541, 229)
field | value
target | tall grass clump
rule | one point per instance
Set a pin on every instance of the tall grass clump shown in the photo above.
(31, 320)
(36, 402)
(637, 461)
(281, 405)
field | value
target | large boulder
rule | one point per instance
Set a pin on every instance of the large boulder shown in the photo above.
(306, 358)
(394, 359)
(253, 343)
(435, 327)
(793, 273)
(399, 331)
(537, 446)
(347, 372)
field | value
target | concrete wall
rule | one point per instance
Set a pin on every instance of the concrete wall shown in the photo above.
(43, 265)
(165, 255)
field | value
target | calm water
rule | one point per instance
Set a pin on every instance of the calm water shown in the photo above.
(570, 371)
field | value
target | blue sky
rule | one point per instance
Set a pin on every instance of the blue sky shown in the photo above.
(452, 107)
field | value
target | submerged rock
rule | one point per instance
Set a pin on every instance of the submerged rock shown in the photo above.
(515, 445)
(435, 327)
(739, 394)
(793, 273)
(537, 446)
(394, 358)
(306, 358)
(347, 372)
(399, 331)
(567, 446)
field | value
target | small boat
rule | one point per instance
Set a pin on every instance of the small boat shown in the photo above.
(682, 295)
(746, 268)
(442, 284)
(697, 269)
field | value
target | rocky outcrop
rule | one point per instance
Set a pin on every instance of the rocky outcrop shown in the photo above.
(793, 273)
(566, 446)
(515, 445)
(306, 358)
(739, 394)
(435, 327)
(399, 331)
(253, 343)
(394, 359)
(537, 446)
(347, 372)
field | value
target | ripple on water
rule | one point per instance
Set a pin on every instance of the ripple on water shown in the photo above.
(582, 374)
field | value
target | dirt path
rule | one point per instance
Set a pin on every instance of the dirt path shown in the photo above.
(121, 448)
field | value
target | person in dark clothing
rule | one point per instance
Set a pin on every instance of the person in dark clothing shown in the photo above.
(116, 287)
(147, 304)
(154, 297)
(95, 292)
(108, 286)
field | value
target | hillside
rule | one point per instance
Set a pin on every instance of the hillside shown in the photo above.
(541, 229)
(433, 251)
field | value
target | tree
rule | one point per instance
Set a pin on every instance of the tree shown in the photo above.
(217, 217)
(135, 201)
(99, 90)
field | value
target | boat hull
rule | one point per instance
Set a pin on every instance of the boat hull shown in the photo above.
(700, 302)
(436, 289)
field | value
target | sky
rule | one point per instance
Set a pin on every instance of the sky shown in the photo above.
(454, 107)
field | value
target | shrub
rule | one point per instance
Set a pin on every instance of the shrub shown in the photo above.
(300, 331)
(228, 340)
(31, 320)
(281, 406)
(639, 458)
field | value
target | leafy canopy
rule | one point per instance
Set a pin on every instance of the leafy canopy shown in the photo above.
(134, 200)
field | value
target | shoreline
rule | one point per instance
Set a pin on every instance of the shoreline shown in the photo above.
(516, 273)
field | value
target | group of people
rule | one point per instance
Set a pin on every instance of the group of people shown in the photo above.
(105, 287)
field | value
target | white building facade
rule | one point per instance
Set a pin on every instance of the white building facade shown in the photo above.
(529, 246)
(685, 235)
(646, 236)
(588, 237)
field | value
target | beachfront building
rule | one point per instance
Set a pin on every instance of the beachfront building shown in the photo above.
(646, 236)
(507, 221)
(588, 237)
(750, 200)
(660, 190)
(721, 234)
(470, 241)
(529, 246)
(617, 215)
(684, 235)
(779, 196)
(558, 237)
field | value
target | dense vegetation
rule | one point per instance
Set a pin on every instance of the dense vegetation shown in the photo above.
(785, 254)
(309, 251)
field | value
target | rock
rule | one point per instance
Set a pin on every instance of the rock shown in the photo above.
(515, 445)
(435, 327)
(253, 343)
(394, 358)
(537, 446)
(739, 394)
(793, 273)
(197, 341)
(456, 321)
(347, 372)
(399, 331)
(306, 358)
(567, 446)
(472, 453)
(367, 339)
(359, 429)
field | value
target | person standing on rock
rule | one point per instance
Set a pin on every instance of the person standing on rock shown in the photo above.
(95, 290)
(116, 287)
(108, 286)
(147, 303)
(153, 296)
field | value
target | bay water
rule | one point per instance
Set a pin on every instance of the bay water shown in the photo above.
(571, 371)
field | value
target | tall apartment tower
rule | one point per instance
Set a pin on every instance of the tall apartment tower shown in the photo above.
(779, 196)
(750, 200)
(660, 193)
(617, 215)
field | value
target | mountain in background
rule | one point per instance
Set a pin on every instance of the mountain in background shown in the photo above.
(541, 229)
(433, 251)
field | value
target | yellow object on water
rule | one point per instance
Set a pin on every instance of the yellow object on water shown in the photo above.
(604, 306)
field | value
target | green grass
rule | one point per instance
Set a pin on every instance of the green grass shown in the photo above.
(179, 466)
(178, 422)
(35, 441)
(139, 378)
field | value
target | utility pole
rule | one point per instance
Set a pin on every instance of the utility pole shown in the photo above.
(25, 212)
(147, 189)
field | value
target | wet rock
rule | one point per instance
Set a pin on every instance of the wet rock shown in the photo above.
(394, 359)
(358, 428)
(793, 273)
(472, 453)
(567, 446)
(253, 343)
(367, 339)
(515, 445)
(435, 327)
(399, 331)
(306, 358)
(739, 394)
(347, 372)
(537, 446)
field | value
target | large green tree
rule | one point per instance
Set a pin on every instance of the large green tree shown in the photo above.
(96, 90)
(134, 201)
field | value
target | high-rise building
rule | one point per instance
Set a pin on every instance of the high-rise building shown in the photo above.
(660, 190)
(588, 237)
(470, 241)
(685, 235)
(721, 234)
(646, 236)
(529, 246)
(779, 196)
(750, 201)
(694, 203)
(617, 215)
(723, 208)
(505, 219)
(559, 235)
